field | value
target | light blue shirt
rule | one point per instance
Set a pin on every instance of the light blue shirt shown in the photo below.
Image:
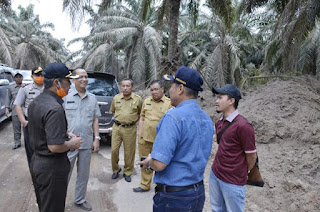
(183, 142)
(80, 113)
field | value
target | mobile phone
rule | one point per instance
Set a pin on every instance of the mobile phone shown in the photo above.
(142, 159)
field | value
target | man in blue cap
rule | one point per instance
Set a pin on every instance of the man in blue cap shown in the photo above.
(236, 153)
(49, 139)
(182, 147)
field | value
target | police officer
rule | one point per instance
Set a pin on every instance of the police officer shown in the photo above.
(82, 112)
(12, 94)
(47, 126)
(24, 97)
(126, 108)
(152, 111)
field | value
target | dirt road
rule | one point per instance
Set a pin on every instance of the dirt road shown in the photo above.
(104, 194)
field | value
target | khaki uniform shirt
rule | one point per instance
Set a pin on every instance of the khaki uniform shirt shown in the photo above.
(26, 95)
(126, 111)
(152, 111)
(12, 94)
(80, 113)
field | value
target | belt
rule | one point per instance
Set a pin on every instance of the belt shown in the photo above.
(124, 125)
(166, 188)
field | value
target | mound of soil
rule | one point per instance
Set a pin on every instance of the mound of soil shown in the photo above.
(285, 116)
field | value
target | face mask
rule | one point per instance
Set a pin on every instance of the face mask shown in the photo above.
(61, 92)
(38, 80)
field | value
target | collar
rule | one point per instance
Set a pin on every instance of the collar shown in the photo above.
(75, 92)
(122, 97)
(34, 85)
(162, 99)
(53, 94)
(232, 116)
(189, 101)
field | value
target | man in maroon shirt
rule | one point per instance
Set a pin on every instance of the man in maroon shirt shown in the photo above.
(236, 153)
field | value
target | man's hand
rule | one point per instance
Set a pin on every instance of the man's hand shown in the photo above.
(95, 145)
(24, 123)
(7, 112)
(74, 143)
(144, 162)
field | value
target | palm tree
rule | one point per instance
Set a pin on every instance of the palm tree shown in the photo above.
(6, 50)
(130, 31)
(32, 45)
(309, 59)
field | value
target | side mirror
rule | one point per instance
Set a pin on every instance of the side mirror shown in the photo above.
(4, 82)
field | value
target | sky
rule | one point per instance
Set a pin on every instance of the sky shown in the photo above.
(51, 11)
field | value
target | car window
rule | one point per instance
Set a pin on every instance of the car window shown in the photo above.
(102, 87)
(26, 74)
(6, 75)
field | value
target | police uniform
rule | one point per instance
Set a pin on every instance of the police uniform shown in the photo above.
(12, 94)
(80, 113)
(152, 111)
(126, 114)
(24, 98)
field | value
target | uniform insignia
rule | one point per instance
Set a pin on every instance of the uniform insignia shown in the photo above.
(118, 102)
(32, 92)
(148, 104)
(70, 101)
(30, 89)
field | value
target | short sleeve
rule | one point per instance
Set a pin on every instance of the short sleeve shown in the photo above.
(21, 98)
(166, 140)
(143, 109)
(56, 127)
(112, 107)
(97, 112)
(247, 139)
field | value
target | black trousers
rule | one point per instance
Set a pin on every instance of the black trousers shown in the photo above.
(50, 181)
(27, 145)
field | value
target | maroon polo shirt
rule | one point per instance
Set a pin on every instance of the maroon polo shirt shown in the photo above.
(230, 163)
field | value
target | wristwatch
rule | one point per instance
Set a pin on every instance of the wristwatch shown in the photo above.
(97, 137)
(149, 167)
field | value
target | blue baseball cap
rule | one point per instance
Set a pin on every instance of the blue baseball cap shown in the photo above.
(229, 89)
(187, 77)
(58, 70)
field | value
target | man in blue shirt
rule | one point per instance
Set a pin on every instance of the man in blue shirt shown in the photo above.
(182, 147)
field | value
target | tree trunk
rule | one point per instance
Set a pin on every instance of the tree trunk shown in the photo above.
(173, 58)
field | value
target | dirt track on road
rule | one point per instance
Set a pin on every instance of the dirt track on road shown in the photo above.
(104, 194)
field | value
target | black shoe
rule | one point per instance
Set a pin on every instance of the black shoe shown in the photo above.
(85, 206)
(116, 174)
(139, 189)
(127, 178)
(16, 146)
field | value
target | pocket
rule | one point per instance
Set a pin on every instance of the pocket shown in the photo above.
(89, 111)
(71, 110)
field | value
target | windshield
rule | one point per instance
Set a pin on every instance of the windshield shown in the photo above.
(102, 87)
(26, 75)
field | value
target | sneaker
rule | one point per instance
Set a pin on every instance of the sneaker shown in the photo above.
(85, 206)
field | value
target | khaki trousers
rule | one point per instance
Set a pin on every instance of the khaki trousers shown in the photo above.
(127, 135)
(145, 148)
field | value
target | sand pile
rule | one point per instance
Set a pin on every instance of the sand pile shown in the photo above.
(286, 119)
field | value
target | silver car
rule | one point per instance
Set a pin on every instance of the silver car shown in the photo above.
(6, 80)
